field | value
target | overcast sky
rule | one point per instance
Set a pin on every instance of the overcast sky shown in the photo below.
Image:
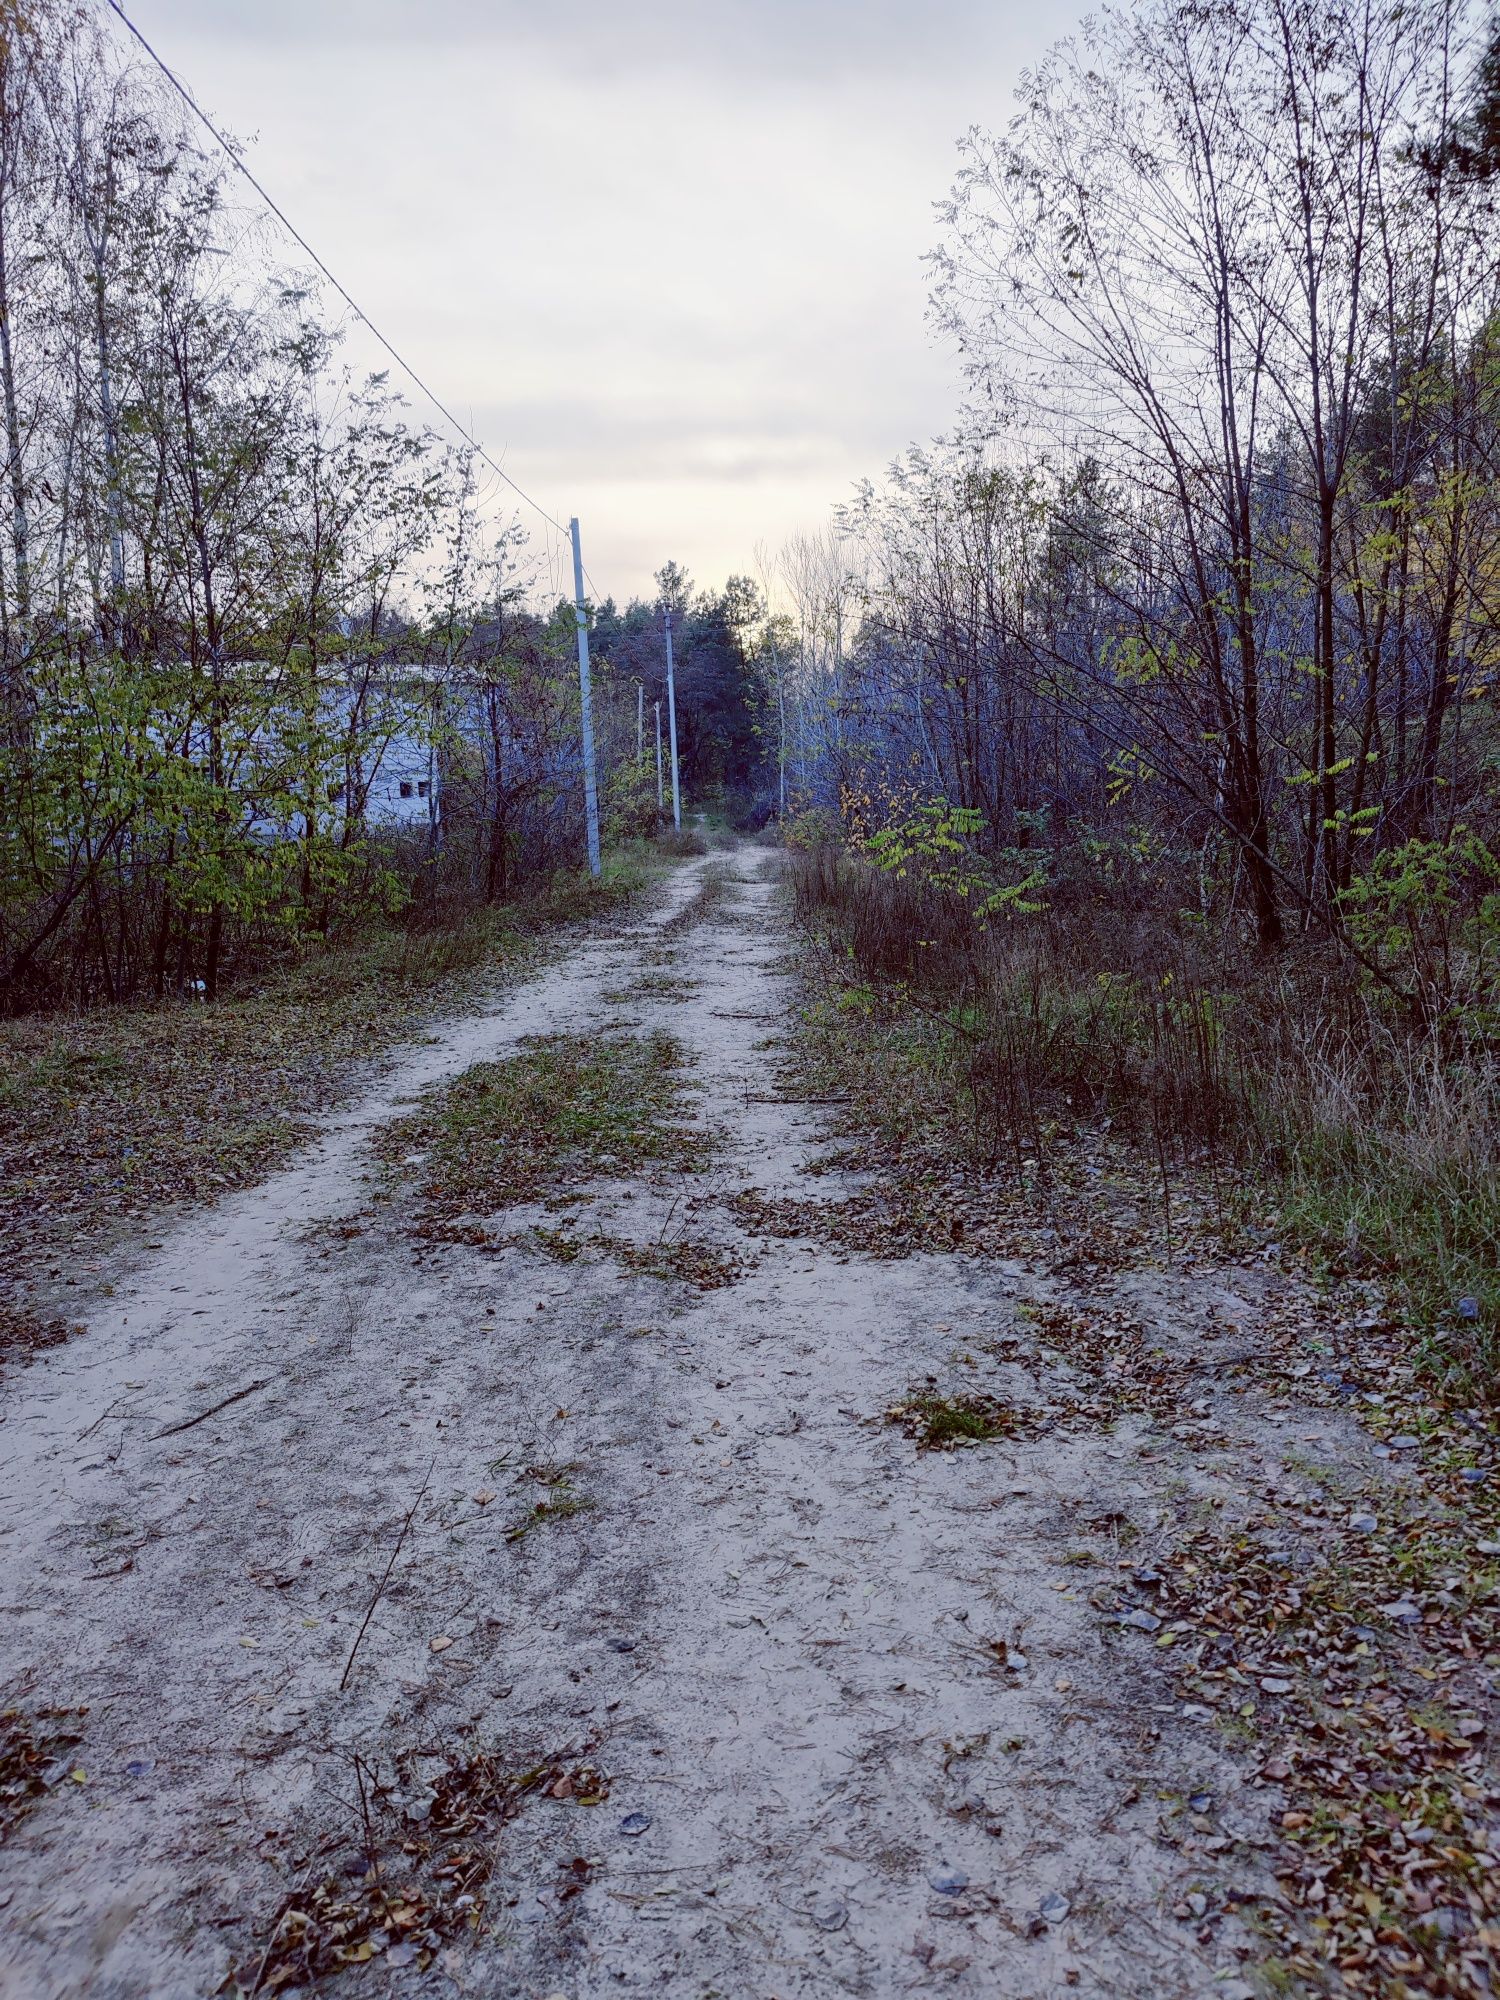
(666, 256)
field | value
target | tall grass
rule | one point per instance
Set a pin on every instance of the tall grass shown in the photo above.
(1376, 1140)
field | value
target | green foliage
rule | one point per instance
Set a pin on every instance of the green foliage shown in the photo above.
(629, 802)
(1430, 910)
(935, 843)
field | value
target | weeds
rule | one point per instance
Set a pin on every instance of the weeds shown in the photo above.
(704, 1265)
(104, 1116)
(713, 886)
(563, 1501)
(940, 1423)
(682, 841)
(1377, 1137)
(566, 1108)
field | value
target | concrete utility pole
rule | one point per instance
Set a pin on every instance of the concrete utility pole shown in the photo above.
(640, 720)
(590, 777)
(672, 726)
(659, 795)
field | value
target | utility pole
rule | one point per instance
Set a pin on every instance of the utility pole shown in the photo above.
(672, 726)
(660, 801)
(640, 720)
(590, 778)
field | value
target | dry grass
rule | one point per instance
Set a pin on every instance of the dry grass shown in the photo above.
(1378, 1141)
(682, 841)
(564, 1110)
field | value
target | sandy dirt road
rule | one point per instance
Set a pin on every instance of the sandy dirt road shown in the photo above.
(861, 1728)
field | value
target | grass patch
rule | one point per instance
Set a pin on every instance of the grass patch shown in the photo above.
(566, 1108)
(1418, 1202)
(682, 841)
(942, 1423)
(713, 887)
(683, 1260)
(107, 1115)
(654, 985)
(1271, 1091)
(561, 1503)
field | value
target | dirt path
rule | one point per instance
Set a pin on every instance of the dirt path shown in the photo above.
(880, 1738)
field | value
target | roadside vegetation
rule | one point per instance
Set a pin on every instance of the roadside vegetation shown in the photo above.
(1292, 1099)
(108, 1116)
(274, 671)
(1141, 747)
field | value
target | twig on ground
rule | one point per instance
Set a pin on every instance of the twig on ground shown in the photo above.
(386, 1577)
(204, 1415)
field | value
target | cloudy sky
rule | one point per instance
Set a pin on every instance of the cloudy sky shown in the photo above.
(665, 255)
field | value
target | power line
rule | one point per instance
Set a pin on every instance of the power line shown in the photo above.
(297, 237)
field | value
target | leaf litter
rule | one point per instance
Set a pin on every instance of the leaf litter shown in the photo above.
(422, 1874)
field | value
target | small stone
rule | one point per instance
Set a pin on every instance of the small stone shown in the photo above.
(1364, 1524)
(1053, 1908)
(949, 1881)
(1406, 1442)
(1487, 1548)
(634, 1823)
(1473, 1475)
(1197, 1902)
(1468, 1308)
(1143, 1621)
(830, 1916)
(1401, 1611)
(1271, 1684)
(1201, 1802)
(621, 1645)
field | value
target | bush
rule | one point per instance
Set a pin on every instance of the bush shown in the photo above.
(682, 841)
